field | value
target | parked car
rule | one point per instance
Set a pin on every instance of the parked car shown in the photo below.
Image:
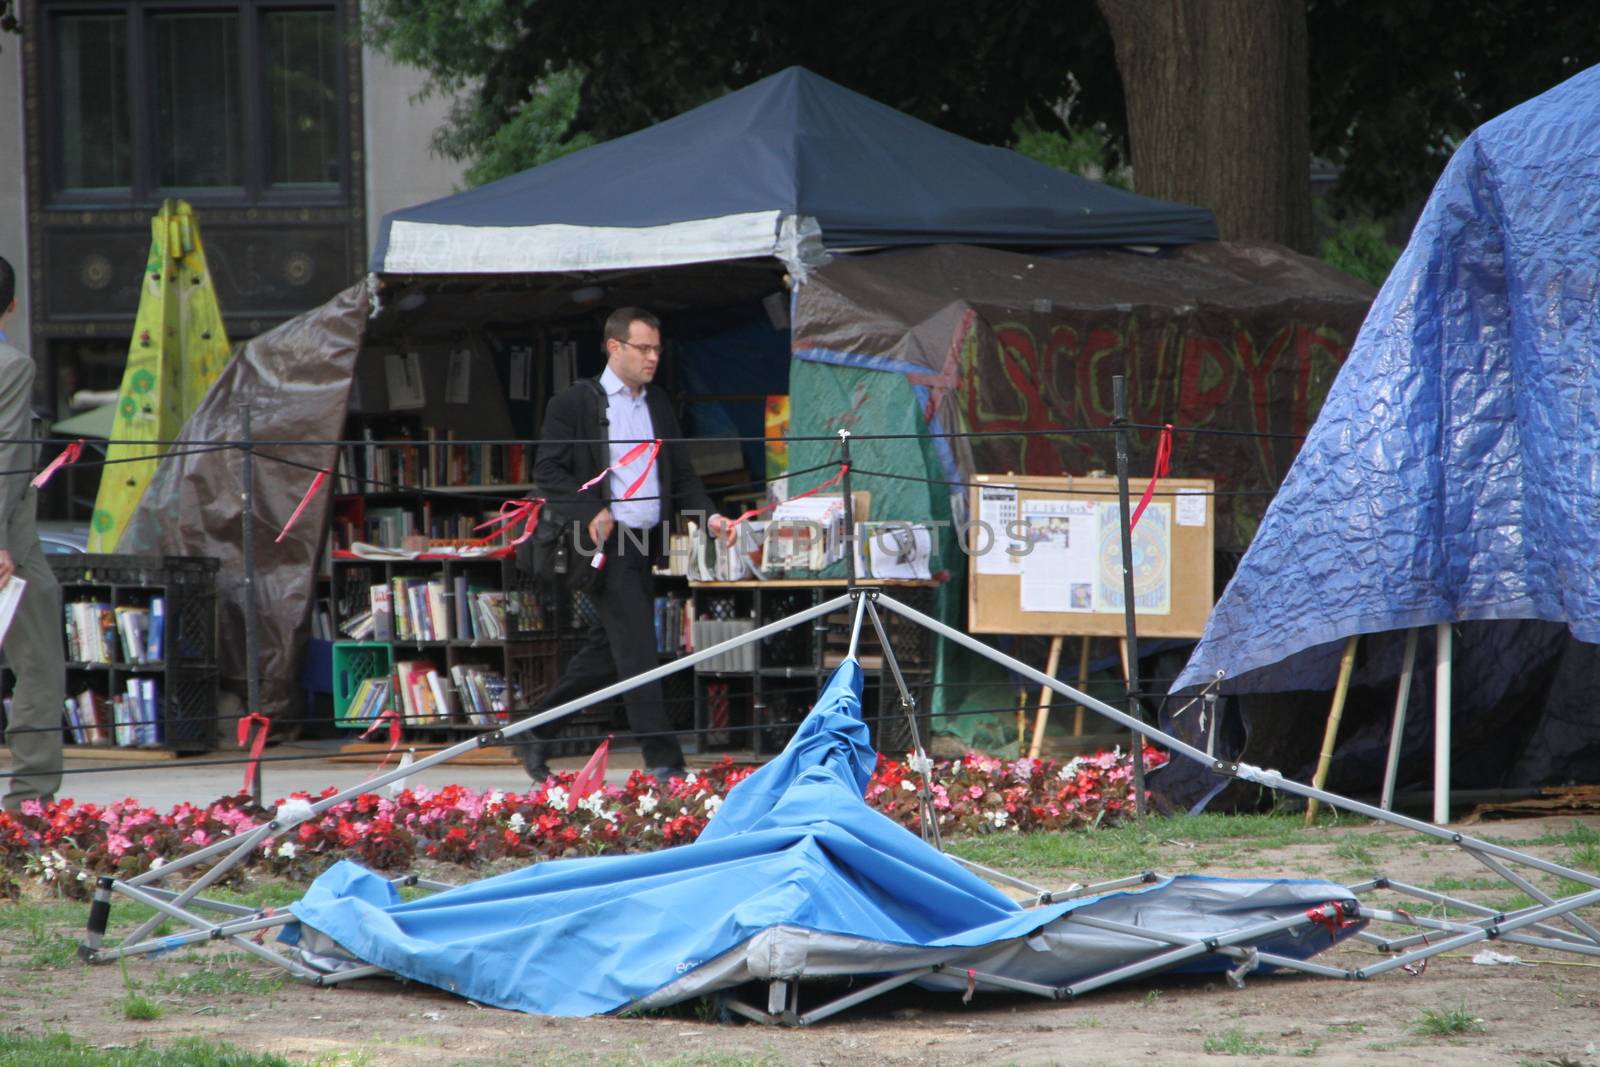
(63, 538)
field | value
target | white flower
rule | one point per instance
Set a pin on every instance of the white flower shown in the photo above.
(594, 803)
(556, 797)
(690, 778)
(83, 876)
(998, 818)
(159, 861)
(517, 822)
(908, 785)
(647, 803)
(713, 802)
(495, 798)
(287, 850)
(1070, 771)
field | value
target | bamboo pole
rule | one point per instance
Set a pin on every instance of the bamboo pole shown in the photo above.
(1045, 693)
(1347, 666)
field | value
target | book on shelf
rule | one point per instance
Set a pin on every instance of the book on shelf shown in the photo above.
(417, 699)
(483, 694)
(462, 609)
(91, 627)
(89, 718)
(382, 611)
(143, 711)
(370, 700)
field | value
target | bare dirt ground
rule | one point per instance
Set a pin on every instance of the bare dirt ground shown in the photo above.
(1546, 1013)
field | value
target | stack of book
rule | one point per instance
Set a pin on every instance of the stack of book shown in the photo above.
(673, 636)
(424, 696)
(91, 632)
(483, 692)
(129, 719)
(142, 631)
(89, 718)
(370, 700)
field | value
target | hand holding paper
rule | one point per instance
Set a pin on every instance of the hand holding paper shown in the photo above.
(10, 597)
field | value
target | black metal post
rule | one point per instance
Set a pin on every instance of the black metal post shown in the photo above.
(252, 645)
(1119, 402)
(849, 510)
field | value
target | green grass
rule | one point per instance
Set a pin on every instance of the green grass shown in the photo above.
(1452, 884)
(1448, 1022)
(140, 1008)
(217, 981)
(1356, 852)
(1113, 852)
(1236, 1042)
(60, 1050)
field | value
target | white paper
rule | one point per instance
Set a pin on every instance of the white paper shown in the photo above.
(1191, 507)
(521, 387)
(1152, 561)
(894, 550)
(1058, 569)
(458, 385)
(403, 375)
(10, 597)
(563, 364)
(992, 540)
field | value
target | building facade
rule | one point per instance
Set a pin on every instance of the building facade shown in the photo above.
(288, 137)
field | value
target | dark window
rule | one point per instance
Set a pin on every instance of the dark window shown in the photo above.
(241, 101)
(199, 120)
(302, 81)
(91, 64)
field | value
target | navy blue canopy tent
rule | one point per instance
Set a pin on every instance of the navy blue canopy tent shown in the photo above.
(1453, 475)
(788, 167)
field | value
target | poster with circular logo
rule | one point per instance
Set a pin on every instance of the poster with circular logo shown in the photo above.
(1152, 561)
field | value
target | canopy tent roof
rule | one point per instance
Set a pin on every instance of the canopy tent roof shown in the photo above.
(789, 166)
(1454, 472)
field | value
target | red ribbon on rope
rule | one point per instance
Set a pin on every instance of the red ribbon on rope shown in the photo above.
(654, 450)
(592, 777)
(835, 480)
(1163, 465)
(69, 454)
(246, 725)
(394, 736)
(316, 483)
(511, 513)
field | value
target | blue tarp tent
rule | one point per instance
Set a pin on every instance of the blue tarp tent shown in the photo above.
(795, 876)
(1454, 472)
(789, 166)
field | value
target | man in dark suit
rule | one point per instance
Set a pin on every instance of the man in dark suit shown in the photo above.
(582, 437)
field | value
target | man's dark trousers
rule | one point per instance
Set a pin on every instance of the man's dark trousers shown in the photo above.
(623, 645)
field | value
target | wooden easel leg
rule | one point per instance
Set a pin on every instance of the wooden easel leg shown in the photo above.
(1022, 719)
(1347, 666)
(1083, 685)
(1045, 693)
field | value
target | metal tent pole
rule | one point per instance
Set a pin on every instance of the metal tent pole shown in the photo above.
(1402, 698)
(1441, 723)
(252, 641)
(1119, 394)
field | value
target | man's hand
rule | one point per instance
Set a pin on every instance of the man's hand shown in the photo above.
(723, 527)
(8, 566)
(600, 526)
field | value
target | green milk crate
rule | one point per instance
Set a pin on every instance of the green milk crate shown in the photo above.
(353, 663)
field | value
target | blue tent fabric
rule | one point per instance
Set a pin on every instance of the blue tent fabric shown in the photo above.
(1454, 471)
(793, 843)
(793, 848)
(802, 146)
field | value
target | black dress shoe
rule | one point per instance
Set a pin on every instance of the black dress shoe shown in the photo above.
(662, 774)
(532, 754)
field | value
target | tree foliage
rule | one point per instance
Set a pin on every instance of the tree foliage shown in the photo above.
(1393, 86)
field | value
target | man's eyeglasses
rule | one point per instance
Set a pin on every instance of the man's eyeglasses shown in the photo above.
(649, 350)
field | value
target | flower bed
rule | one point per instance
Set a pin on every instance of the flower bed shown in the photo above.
(64, 843)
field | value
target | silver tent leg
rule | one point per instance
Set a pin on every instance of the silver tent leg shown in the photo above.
(1441, 724)
(1401, 699)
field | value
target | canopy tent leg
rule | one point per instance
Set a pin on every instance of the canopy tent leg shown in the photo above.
(1347, 666)
(1045, 695)
(1441, 724)
(1402, 698)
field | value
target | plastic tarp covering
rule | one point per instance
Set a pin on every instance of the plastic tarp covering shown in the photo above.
(1242, 335)
(1454, 473)
(756, 173)
(295, 380)
(794, 876)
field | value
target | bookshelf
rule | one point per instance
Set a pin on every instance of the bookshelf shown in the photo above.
(131, 681)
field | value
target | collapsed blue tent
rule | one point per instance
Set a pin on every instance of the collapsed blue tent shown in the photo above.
(1454, 472)
(794, 877)
(789, 166)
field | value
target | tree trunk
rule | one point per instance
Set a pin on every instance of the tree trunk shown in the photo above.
(1218, 112)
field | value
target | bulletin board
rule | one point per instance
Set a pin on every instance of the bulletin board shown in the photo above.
(1060, 573)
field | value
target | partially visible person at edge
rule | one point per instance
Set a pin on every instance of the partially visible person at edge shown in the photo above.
(33, 643)
(624, 644)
